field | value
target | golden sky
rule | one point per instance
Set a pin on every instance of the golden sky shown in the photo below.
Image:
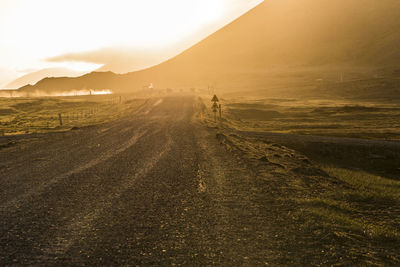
(117, 35)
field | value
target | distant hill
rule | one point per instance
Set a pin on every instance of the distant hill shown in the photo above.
(98, 80)
(275, 38)
(34, 77)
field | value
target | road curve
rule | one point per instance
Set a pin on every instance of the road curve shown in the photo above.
(153, 188)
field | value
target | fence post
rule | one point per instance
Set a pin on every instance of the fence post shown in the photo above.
(60, 118)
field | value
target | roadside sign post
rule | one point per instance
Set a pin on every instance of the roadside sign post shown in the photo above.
(215, 107)
(215, 99)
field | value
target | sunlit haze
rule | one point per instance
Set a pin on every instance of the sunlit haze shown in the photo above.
(58, 34)
(200, 132)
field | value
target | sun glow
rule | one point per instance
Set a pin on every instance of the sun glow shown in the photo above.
(32, 32)
(46, 28)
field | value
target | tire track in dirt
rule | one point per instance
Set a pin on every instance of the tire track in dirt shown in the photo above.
(81, 225)
(167, 193)
(18, 201)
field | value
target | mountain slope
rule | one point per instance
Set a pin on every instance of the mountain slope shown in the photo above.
(290, 33)
(34, 77)
(93, 80)
(276, 36)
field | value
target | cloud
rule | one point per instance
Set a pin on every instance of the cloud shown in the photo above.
(126, 59)
(117, 59)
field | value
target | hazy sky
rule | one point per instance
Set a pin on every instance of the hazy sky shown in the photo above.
(118, 35)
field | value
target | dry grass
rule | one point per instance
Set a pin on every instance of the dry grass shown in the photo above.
(368, 187)
(315, 117)
(35, 115)
(375, 202)
(369, 208)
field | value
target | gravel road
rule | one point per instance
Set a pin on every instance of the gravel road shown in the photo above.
(153, 188)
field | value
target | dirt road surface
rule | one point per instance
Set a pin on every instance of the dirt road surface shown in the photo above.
(153, 188)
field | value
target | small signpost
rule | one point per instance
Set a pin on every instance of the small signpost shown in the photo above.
(215, 107)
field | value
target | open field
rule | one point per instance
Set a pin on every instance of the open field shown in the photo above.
(338, 118)
(37, 115)
(347, 134)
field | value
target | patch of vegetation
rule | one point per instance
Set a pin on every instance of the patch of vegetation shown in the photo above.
(255, 114)
(315, 117)
(348, 224)
(36, 115)
(368, 188)
(7, 111)
(368, 208)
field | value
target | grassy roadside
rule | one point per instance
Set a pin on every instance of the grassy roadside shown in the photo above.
(38, 115)
(351, 213)
(369, 188)
(369, 207)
